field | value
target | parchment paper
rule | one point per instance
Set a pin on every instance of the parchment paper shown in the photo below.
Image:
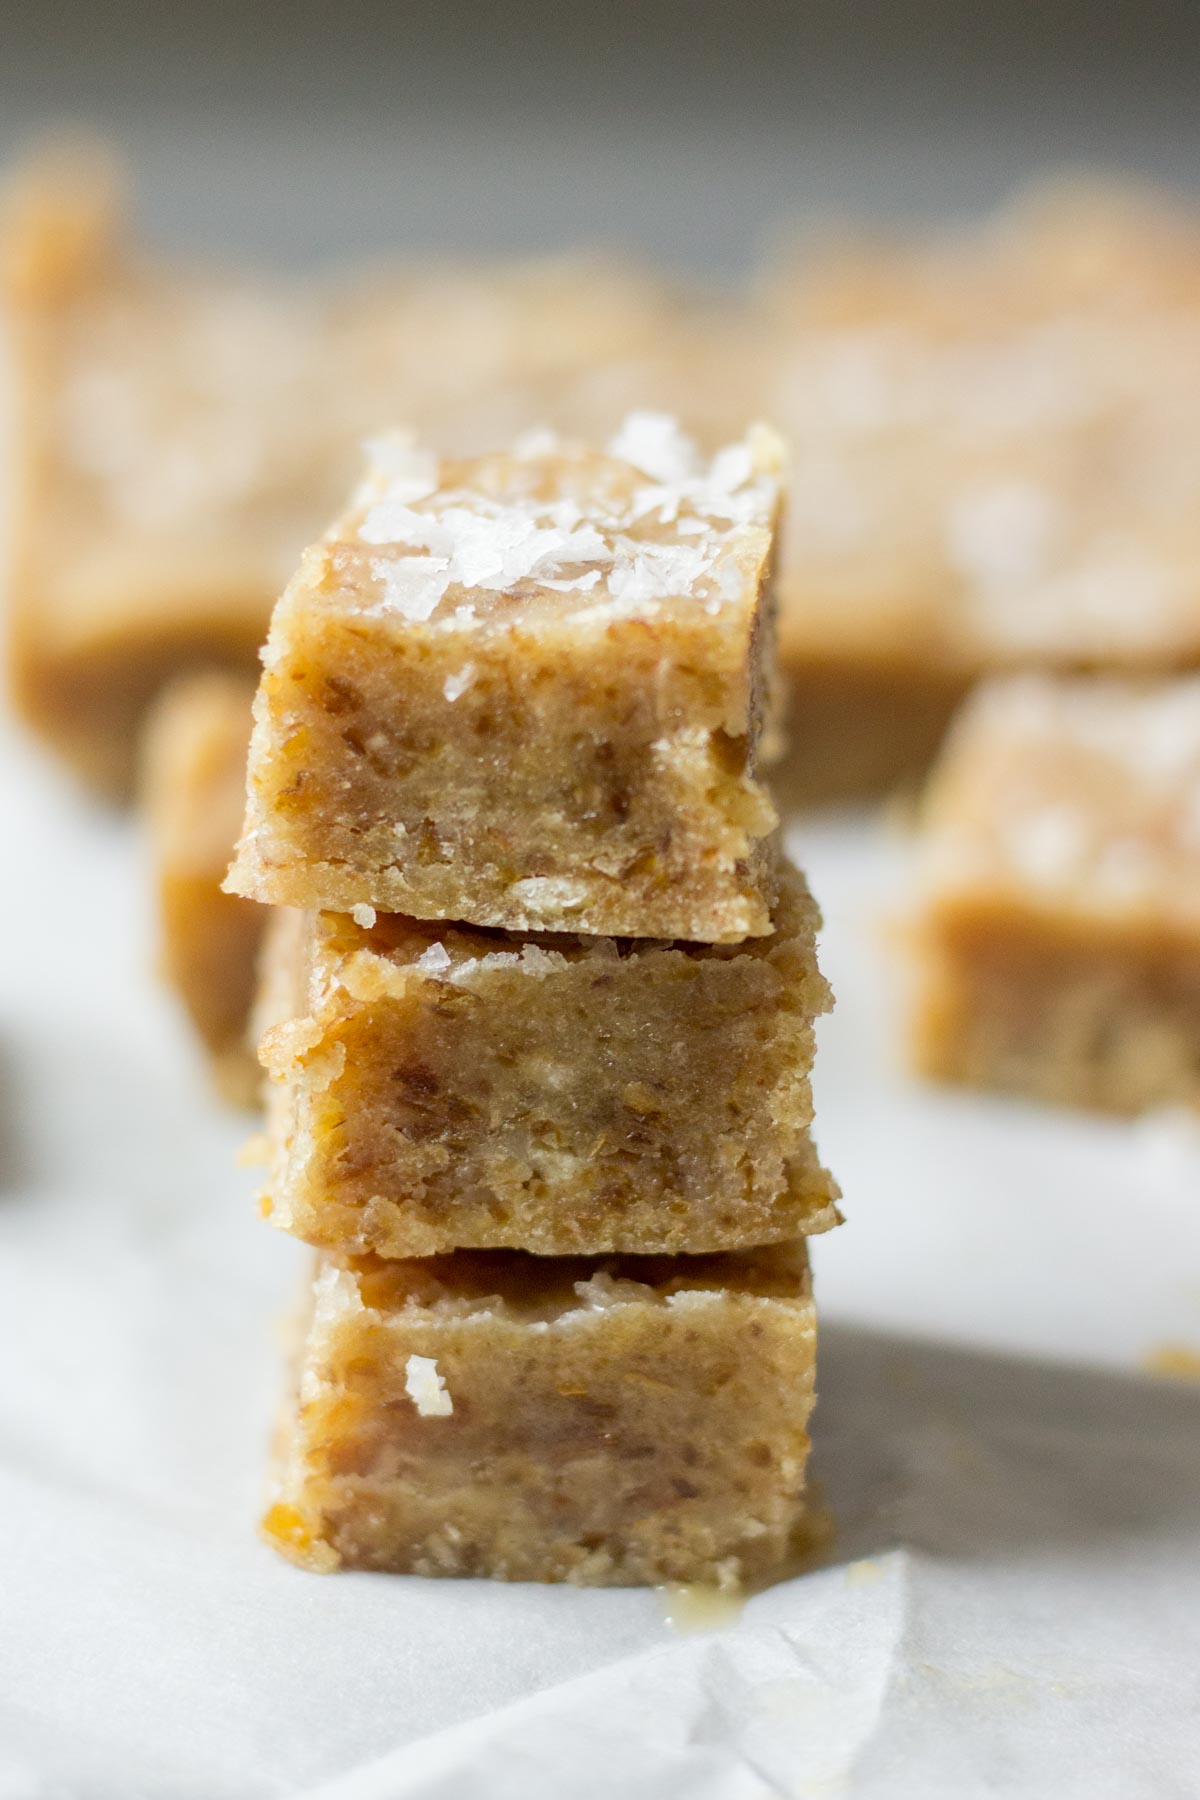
(1012, 1605)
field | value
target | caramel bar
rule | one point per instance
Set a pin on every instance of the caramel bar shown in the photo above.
(437, 1086)
(995, 467)
(526, 690)
(545, 1419)
(1057, 940)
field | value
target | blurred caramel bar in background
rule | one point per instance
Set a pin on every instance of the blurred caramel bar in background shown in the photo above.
(178, 434)
(192, 791)
(995, 447)
(1057, 936)
(995, 443)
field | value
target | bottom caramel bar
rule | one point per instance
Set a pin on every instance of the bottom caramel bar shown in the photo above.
(637, 1419)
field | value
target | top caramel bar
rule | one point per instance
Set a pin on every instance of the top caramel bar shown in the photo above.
(526, 690)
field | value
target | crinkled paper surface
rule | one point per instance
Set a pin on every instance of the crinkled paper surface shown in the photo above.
(1012, 1601)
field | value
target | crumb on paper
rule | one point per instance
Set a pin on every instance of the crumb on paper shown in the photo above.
(363, 915)
(701, 1606)
(426, 1388)
(1177, 1362)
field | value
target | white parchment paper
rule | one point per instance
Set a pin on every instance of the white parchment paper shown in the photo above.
(1013, 1601)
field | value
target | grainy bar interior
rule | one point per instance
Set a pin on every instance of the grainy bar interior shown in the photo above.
(438, 1085)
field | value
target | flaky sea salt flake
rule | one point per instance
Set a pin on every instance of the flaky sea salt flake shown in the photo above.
(731, 468)
(570, 584)
(657, 572)
(409, 470)
(654, 443)
(539, 440)
(426, 1388)
(548, 892)
(412, 585)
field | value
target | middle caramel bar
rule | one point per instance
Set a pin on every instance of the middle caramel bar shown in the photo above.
(527, 690)
(438, 1086)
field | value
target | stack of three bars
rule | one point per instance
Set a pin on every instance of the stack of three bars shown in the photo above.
(543, 1021)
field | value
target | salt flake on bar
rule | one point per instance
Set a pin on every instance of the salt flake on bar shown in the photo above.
(538, 962)
(653, 442)
(426, 1388)
(409, 471)
(657, 572)
(538, 892)
(433, 960)
(570, 584)
(731, 578)
(540, 440)
(499, 550)
(478, 965)
(566, 514)
(491, 552)
(412, 585)
(731, 468)
(392, 521)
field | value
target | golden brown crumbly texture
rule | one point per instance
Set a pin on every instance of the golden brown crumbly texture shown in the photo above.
(995, 467)
(193, 781)
(637, 1421)
(178, 434)
(438, 1087)
(1056, 947)
(567, 747)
